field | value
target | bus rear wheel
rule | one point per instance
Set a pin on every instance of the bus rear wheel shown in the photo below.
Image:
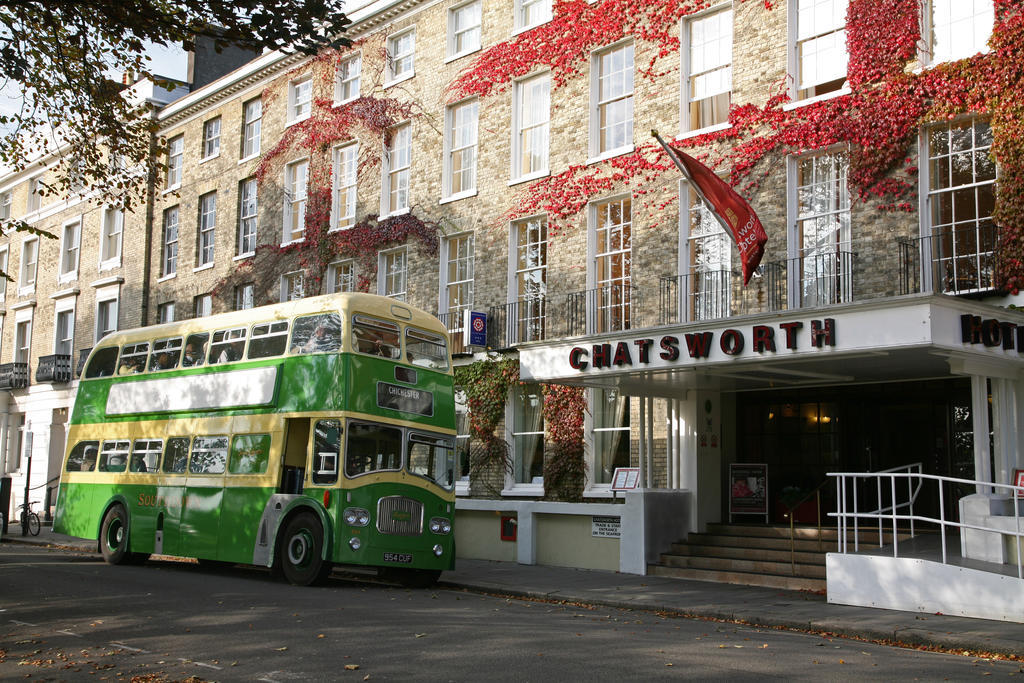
(300, 553)
(114, 537)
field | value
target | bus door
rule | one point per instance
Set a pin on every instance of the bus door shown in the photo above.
(171, 497)
(204, 492)
(294, 461)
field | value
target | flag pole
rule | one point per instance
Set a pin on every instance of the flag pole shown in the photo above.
(693, 185)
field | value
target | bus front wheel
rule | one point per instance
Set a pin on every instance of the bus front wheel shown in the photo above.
(114, 536)
(300, 553)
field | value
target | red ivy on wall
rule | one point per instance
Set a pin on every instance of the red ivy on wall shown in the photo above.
(878, 120)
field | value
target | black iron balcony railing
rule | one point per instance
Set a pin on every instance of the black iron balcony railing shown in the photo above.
(717, 294)
(55, 368)
(518, 322)
(823, 278)
(959, 262)
(13, 375)
(611, 308)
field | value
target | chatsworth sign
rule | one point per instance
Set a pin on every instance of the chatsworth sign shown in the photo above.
(758, 339)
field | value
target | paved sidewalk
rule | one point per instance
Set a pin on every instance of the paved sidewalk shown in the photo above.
(766, 607)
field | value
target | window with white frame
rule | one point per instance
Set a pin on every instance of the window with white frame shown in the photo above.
(612, 100)
(396, 167)
(70, 248)
(707, 65)
(64, 329)
(460, 153)
(458, 273)
(293, 286)
(341, 276)
(609, 411)
(462, 435)
(346, 163)
(207, 228)
(530, 13)
(530, 273)
(464, 29)
(296, 179)
(394, 273)
(613, 248)
(401, 52)
(531, 126)
(23, 341)
(106, 316)
(169, 243)
(202, 306)
(252, 124)
(709, 274)
(29, 264)
(957, 28)
(247, 215)
(175, 152)
(349, 72)
(5, 206)
(961, 182)
(245, 296)
(527, 434)
(818, 46)
(165, 312)
(35, 195)
(823, 229)
(300, 99)
(110, 240)
(211, 138)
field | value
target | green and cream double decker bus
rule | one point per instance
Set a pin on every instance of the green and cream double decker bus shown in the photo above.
(292, 436)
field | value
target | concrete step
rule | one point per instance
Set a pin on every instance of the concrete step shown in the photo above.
(830, 533)
(743, 578)
(754, 566)
(761, 542)
(761, 554)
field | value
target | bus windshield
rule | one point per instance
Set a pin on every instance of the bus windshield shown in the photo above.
(432, 458)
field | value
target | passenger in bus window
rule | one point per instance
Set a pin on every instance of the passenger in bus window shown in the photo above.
(138, 463)
(195, 350)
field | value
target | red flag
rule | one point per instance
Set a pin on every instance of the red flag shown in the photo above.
(731, 210)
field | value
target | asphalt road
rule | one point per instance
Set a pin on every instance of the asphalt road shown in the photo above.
(68, 616)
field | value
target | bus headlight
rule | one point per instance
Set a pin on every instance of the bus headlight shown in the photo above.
(356, 516)
(440, 525)
(354, 543)
(438, 550)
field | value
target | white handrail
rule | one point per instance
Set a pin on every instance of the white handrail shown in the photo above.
(891, 513)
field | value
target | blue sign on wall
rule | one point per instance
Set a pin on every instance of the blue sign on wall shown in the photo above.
(476, 326)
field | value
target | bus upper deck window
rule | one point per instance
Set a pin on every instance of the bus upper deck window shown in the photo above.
(166, 354)
(195, 350)
(426, 349)
(268, 339)
(376, 337)
(227, 345)
(317, 333)
(133, 358)
(102, 363)
(83, 457)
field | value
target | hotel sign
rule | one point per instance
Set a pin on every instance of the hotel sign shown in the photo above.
(760, 339)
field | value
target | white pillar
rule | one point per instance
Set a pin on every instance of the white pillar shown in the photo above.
(642, 456)
(979, 420)
(650, 442)
(670, 447)
(1018, 395)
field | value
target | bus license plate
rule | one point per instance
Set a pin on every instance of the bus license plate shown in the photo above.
(403, 558)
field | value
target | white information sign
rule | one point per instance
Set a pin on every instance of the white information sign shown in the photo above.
(605, 527)
(625, 478)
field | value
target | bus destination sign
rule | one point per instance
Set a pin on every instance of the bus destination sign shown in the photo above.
(405, 399)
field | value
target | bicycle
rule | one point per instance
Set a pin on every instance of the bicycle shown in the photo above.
(28, 516)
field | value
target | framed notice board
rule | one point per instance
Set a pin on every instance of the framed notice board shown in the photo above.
(748, 489)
